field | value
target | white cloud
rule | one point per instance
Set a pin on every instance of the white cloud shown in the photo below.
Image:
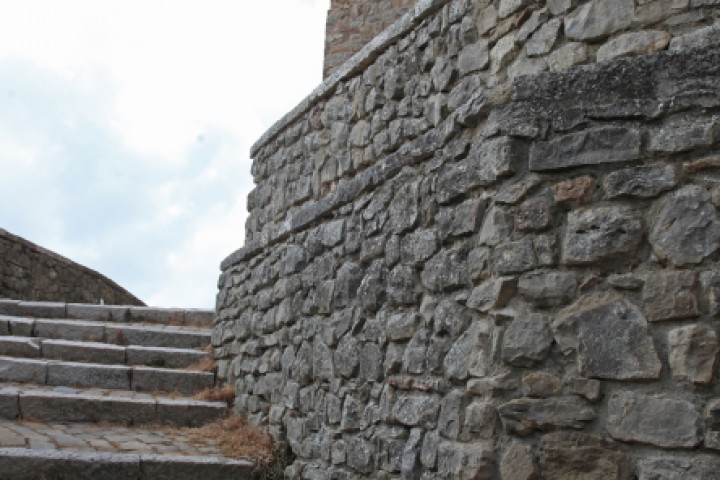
(125, 128)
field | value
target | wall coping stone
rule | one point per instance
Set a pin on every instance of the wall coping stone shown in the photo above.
(357, 63)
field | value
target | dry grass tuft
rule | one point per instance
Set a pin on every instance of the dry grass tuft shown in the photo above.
(224, 394)
(236, 438)
(207, 364)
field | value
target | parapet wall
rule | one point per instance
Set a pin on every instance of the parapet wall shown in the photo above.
(30, 272)
(351, 24)
(487, 247)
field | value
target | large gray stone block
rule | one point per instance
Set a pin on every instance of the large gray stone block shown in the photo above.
(74, 374)
(162, 357)
(23, 370)
(522, 416)
(172, 337)
(26, 347)
(146, 379)
(83, 352)
(77, 330)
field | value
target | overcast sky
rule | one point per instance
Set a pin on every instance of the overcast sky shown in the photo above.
(126, 126)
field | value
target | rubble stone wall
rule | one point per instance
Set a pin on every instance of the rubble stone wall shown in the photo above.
(487, 247)
(351, 24)
(30, 272)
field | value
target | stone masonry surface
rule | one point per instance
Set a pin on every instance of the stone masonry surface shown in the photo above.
(30, 272)
(487, 247)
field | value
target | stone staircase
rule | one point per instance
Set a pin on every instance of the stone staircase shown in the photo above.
(92, 391)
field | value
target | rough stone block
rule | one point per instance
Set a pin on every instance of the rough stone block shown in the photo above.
(654, 420)
(100, 313)
(548, 289)
(471, 354)
(595, 234)
(522, 416)
(702, 38)
(515, 257)
(171, 337)
(610, 337)
(527, 340)
(685, 228)
(695, 468)
(517, 462)
(41, 309)
(189, 412)
(21, 327)
(589, 147)
(645, 181)
(670, 295)
(682, 133)
(578, 455)
(598, 19)
(633, 43)
(693, 353)
(61, 407)
(9, 404)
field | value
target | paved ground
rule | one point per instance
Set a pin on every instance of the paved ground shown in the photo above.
(99, 438)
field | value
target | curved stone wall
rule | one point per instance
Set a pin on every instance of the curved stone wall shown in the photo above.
(30, 272)
(487, 247)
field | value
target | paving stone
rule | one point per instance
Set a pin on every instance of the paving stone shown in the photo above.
(24, 464)
(83, 352)
(172, 337)
(23, 370)
(186, 466)
(62, 407)
(632, 417)
(20, 347)
(76, 330)
(88, 375)
(145, 379)
(189, 412)
(626, 350)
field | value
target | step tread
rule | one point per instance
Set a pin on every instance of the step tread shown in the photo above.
(98, 352)
(83, 450)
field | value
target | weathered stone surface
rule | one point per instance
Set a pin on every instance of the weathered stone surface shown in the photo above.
(347, 356)
(692, 353)
(589, 147)
(682, 133)
(471, 353)
(416, 409)
(515, 257)
(360, 456)
(348, 281)
(370, 362)
(474, 57)
(402, 326)
(527, 340)
(685, 228)
(402, 285)
(502, 52)
(580, 189)
(525, 415)
(404, 208)
(633, 417)
(670, 295)
(450, 419)
(534, 214)
(418, 246)
(466, 461)
(451, 317)
(575, 455)
(541, 384)
(548, 289)
(599, 18)
(542, 41)
(610, 337)
(662, 468)
(492, 294)
(586, 387)
(571, 54)
(712, 424)
(446, 270)
(645, 181)
(702, 38)
(517, 463)
(633, 43)
(480, 420)
(496, 228)
(599, 233)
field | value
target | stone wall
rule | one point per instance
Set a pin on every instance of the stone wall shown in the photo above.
(487, 247)
(351, 24)
(30, 272)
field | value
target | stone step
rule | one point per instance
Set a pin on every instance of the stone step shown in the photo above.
(64, 404)
(93, 375)
(147, 335)
(108, 313)
(28, 464)
(95, 352)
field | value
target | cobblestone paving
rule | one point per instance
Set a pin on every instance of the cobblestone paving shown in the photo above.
(103, 438)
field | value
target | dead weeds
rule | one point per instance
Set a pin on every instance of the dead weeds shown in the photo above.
(222, 394)
(207, 364)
